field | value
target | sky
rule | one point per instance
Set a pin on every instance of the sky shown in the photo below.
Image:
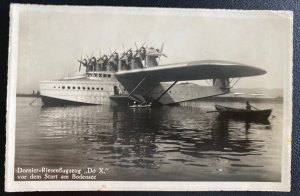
(52, 38)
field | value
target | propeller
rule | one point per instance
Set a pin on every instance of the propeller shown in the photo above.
(124, 51)
(87, 57)
(111, 54)
(138, 50)
(161, 50)
(156, 52)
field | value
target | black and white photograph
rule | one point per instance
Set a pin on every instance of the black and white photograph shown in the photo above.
(149, 99)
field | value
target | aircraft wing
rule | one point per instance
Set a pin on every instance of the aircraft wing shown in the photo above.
(195, 70)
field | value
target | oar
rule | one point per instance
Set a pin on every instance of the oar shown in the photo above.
(254, 107)
(258, 109)
(211, 111)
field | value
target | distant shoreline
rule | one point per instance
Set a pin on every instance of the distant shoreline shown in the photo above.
(27, 95)
(216, 98)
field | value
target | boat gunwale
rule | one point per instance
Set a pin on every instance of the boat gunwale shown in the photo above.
(241, 110)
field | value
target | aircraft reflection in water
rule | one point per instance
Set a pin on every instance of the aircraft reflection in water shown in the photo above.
(151, 138)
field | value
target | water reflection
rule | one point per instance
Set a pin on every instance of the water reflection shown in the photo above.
(233, 135)
(148, 138)
(166, 143)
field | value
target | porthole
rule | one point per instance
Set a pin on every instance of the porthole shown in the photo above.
(63, 87)
(108, 75)
(93, 88)
(83, 88)
(74, 87)
(78, 87)
(102, 89)
(97, 89)
(54, 87)
(88, 88)
(170, 91)
(69, 87)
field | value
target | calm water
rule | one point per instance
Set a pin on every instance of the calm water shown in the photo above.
(166, 143)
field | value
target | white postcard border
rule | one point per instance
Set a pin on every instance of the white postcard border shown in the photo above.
(14, 186)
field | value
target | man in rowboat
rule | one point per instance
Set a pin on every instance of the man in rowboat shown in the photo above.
(248, 106)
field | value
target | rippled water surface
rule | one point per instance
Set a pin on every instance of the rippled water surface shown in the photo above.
(166, 143)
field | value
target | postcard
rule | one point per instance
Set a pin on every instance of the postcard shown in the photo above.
(148, 99)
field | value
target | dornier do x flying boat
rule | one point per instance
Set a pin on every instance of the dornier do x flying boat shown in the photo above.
(136, 76)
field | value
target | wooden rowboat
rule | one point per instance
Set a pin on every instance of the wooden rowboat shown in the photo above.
(243, 113)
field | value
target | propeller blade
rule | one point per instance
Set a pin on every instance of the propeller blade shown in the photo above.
(88, 59)
(80, 61)
(161, 50)
(123, 47)
(111, 54)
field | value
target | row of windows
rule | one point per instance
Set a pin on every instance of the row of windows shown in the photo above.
(79, 88)
(100, 75)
